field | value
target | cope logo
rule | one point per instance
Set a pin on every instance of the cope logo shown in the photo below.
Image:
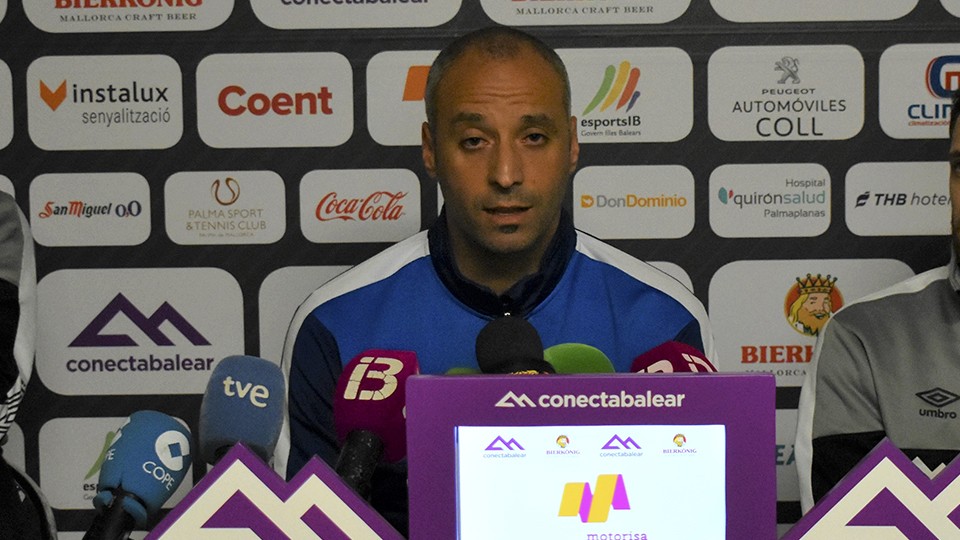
(810, 303)
(943, 76)
(594, 506)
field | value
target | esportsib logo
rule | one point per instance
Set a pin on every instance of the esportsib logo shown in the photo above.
(943, 75)
(616, 83)
(594, 507)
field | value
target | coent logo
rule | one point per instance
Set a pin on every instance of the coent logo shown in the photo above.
(271, 100)
(234, 101)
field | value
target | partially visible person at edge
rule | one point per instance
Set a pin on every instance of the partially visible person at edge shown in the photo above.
(885, 366)
(502, 144)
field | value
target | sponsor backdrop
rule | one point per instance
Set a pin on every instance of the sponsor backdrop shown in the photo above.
(193, 168)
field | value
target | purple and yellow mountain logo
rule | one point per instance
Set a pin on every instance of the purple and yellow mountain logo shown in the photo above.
(619, 85)
(594, 507)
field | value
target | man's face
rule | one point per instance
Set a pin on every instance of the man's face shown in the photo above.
(955, 187)
(503, 149)
(815, 311)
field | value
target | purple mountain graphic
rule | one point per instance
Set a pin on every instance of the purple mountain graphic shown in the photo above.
(616, 443)
(240, 510)
(512, 444)
(893, 505)
(91, 336)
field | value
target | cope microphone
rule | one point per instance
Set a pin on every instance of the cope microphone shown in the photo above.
(368, 414)
(143, 467)
(672, 357)
(244, 402)
(511, 345)
(572, 358)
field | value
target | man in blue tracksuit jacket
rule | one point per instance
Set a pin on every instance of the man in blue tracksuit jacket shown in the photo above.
(500, 141)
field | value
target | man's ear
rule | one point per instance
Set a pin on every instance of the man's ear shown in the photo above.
(428, 150)
(574, 145)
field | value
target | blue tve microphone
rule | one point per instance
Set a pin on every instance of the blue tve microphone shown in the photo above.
(143, 467)
(244, 402)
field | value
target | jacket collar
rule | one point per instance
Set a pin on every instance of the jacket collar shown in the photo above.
(524, 295)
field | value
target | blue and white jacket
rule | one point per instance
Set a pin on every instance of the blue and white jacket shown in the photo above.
(412, 297)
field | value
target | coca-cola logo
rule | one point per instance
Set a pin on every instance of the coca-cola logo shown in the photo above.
(378, 206)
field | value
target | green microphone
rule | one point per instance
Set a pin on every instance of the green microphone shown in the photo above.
(570, 358)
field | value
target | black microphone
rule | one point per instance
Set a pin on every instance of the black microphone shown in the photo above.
(511, 345)
(368, 414)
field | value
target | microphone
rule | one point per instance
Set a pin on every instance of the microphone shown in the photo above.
(144, 465)
(511, 345)
(572, 358)
(369, 415)
(672, 357)
(244, 402)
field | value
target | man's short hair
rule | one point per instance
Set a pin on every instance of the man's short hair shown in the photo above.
(495, 42)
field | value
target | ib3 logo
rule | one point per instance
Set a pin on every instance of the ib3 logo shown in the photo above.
(594, 506)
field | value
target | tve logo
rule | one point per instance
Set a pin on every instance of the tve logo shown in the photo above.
(6, 103)
(396, 81)
(136, 331)
(916, 81)
(359, 205)
(610, 493)
(104, 102)
(90, 209)
(127, 16)
(275, 100)
(630, 95)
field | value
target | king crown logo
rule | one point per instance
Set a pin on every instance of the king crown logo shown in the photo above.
(816, 284)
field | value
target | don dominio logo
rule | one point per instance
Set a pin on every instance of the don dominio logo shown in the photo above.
(104, 102)
(275, 100)
(136, 331)
(593, 506)
(314, 504)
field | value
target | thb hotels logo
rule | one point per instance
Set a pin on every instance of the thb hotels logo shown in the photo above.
(593, 506)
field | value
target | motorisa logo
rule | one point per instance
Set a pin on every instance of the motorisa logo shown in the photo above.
(787, 93)
(359, 205)
(579, 12)
(811, 10)
(916, 81)
(119, 336)
(645, 201)
(897, 199)
(767, 314)
(225, 207)
(90, 209)
(275, 100)
(630, 95)
(127, 15)
(104, 102)
(72, 452)
(6, 103)
(594, 505)
(770, 200)
(306, 14)
(396, 82)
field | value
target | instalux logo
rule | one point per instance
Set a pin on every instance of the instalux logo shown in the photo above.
(93, 336)
(53, 98)
(512, 400)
